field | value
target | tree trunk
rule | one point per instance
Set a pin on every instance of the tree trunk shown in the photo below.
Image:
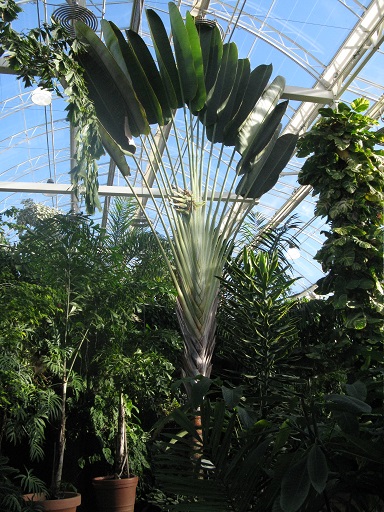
(199, 341)
(60, 447)
(121, 454)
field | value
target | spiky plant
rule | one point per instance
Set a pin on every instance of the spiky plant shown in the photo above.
(224, 121)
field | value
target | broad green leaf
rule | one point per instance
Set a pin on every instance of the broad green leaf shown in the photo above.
(232, 396)
(215, 132)
(148, 64)
(114, 40)
(347, 404)
(276, 162)
(183, 53)
(357, 390)
(269, 128)
(112, 114)
(212, 52)
(112, 72)
(282, 437)
(340, 301)
(198, 102)
(199, 389)
(257, 82)
(363, 283)
(360, 105)
(165, 59)
(137, 75)
(356, 320)
(295, 486)
(252, 126)
(317, 468)
(219, 94)
(254, 170)
(114, 151)
(326, 112)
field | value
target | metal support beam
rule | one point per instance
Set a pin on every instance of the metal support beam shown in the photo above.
(104, 190)
(316, 95)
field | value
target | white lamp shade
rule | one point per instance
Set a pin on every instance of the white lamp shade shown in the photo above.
(50, 194)
(41, 97)
(293, 253)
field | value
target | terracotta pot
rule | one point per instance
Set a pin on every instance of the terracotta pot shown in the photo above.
(69, 502)
(115, 495)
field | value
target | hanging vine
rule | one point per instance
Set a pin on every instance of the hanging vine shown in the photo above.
(46, 56)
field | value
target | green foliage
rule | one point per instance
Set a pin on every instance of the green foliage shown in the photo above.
(10, 494)
(45, 55)
(212, 467)
(257, 234)
(103, 415)
(27, 403)
(310, 462)
(346, 172)
(255, 316)
(77, 303)
(236, 106)
(9, 10)
(57, 258)
(13, 485)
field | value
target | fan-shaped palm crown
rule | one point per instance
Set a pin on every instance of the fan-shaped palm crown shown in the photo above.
(226, 151)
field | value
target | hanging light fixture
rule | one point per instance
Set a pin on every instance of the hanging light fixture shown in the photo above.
(50, 194)
(67, 14)
(41, 97)
(293, 252)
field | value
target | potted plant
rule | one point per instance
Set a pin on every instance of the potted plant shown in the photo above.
(120, 366)
(61, 253)
(128, 370)
(117, 492)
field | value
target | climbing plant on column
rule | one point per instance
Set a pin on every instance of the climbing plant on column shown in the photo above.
(346, 170)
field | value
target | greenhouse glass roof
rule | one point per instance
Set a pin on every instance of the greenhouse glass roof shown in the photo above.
(327, 50)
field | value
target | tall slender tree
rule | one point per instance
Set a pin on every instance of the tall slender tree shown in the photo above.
(224, 121)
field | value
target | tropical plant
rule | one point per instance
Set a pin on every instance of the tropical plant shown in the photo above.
(345, 169)
(131, 359)
(218, 463)
(27, 405)
(13, 484)
(256, 324)
(325, 456)
(222, 105)
(258, 234)
(44, 56)
(62, 254)
(330, 455)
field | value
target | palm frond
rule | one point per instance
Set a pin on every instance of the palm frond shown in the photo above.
(227, 124)
(219, 467)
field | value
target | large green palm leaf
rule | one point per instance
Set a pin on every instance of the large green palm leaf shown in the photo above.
(218, 468)
(228, 123)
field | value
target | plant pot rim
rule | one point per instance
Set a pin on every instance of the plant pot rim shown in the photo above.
(112, 477)
(40, 497)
